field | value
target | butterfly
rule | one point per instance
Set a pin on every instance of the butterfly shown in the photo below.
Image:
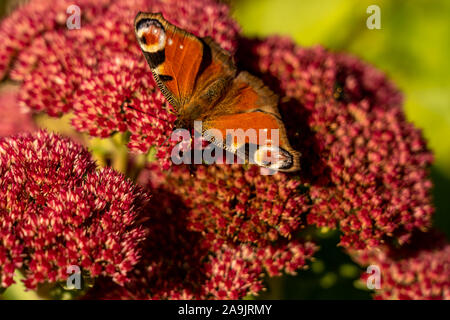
(200, 80)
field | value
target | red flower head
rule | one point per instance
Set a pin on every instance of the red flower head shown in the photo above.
(419, 270)
(238, 204)
(178, 263)
(365, 166)
(57, 210)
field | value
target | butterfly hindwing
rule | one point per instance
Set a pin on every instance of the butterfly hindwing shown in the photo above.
(249, 104)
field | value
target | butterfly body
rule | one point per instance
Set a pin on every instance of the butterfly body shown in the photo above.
(200, 80)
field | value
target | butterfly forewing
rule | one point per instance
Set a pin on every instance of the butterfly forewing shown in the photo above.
(174, 56)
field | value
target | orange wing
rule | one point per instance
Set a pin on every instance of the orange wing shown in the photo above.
(183, 65)
(252, 107)
(174, 56)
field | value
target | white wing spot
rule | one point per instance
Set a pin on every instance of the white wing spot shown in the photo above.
(156, 46)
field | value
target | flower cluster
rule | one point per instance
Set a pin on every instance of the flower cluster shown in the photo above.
(238, 204)
(116, 98)
(22, 31)
(365, 165)
(57, 210)
(418, 270)
(178, 263)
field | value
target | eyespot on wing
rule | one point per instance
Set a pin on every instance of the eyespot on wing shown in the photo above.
(151, 35)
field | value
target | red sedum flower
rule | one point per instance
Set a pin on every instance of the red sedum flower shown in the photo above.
(57, 210)
(234, 203)
(416, 271)
(179, 263)
(365, 166)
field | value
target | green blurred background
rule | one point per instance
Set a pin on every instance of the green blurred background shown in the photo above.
(412, 48)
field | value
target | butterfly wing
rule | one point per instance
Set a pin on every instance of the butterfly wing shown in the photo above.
(251, 107)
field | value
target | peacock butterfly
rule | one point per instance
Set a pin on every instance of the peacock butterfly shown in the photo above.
(200, 80)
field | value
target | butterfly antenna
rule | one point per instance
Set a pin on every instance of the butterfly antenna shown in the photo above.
(148, 113)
